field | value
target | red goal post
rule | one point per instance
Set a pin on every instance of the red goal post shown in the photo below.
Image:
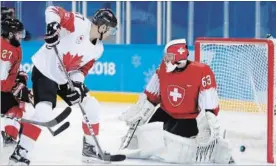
(242, 86)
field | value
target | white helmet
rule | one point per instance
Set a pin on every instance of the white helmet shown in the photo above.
(175, 52)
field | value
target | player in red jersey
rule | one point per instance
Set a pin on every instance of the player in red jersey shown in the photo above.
(13, 83)
(182, 95)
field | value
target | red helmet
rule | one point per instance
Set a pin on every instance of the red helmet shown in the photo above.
(175, 52)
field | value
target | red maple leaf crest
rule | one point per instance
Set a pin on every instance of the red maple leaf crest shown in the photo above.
(71, 62)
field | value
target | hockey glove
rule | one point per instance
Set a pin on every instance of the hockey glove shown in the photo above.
(21, 92)
(142, 111)
(22, 77)
(52, 36)
(70, 96)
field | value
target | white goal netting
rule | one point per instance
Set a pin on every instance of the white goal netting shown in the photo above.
(241, 69)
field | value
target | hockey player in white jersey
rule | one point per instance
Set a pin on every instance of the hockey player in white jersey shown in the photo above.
(79, 42)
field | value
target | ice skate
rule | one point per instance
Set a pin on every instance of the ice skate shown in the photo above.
(19, 156)
(91, 154)
(7, 140)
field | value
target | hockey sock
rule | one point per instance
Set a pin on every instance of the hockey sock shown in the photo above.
(87, 134)
(30, 134)
(92, 109)
(11, 123)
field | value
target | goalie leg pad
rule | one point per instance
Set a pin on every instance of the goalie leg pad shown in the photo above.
(178, 149)
(223, 152)
(148, 140)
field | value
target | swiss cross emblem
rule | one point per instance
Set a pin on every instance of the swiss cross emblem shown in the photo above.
(176, 95)
(181, 50)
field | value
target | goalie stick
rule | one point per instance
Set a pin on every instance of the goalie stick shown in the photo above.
(129, 135)
(104, 157)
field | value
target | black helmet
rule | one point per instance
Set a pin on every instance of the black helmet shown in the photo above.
(12, 26)
(7, 13)
(104, 17)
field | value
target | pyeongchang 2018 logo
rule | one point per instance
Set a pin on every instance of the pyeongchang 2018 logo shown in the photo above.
(26, 67)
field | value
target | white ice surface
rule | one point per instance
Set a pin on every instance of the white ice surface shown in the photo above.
(65, 149)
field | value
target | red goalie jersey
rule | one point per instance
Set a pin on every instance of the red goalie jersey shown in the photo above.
(183, 94)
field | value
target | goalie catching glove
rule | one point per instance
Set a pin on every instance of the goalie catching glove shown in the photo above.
(142, 111)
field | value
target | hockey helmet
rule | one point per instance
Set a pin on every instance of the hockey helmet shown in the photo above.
(13, 30)
(175, 52)
(105, 17)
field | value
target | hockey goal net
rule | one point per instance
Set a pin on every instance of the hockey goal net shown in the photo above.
(244, 71)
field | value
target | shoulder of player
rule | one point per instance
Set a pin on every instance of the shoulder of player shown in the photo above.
(161, 67)
(6, 45)
(81, 23)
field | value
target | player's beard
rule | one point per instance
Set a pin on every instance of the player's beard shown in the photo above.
(14, 42)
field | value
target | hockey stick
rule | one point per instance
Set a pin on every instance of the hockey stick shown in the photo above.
(61, 128)
(129, 135)
(53, 132)
(50, 123)
(105, 157)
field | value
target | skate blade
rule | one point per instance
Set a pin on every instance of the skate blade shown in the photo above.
(8, 145)
(12, 162)
(94, 160)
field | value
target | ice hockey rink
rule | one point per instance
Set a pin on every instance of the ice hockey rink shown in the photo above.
(65, 149)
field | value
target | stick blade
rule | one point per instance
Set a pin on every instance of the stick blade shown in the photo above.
(61, 129)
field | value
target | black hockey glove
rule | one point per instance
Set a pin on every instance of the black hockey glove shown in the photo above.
(22, 77)
(21, 92)
(70, 96)
(52, 36)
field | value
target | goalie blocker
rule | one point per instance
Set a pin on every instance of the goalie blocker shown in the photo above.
(184, 128)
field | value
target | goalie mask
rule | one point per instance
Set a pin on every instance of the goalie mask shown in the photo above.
(175, 53)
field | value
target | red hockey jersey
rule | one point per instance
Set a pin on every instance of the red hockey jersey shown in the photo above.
(183, 94)
(9, 64)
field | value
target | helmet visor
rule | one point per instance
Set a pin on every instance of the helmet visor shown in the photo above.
(112, 30)
(169, 57)
(20, 34)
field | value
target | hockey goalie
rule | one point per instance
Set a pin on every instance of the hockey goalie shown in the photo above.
(177, 113)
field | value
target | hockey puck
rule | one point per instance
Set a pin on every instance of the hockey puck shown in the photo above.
(242, 148)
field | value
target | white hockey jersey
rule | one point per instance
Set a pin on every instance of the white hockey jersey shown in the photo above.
(75, 47)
